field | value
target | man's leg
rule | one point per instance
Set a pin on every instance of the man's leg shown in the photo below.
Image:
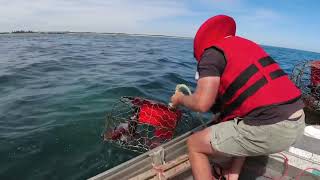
(199, 148)
(234, 172)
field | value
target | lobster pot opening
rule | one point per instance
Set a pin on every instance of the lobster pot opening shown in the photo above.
(306, 76)
(139, 124)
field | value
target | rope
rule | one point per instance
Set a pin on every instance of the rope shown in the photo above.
(183, 88)
(286, 164)
(303, 171)
(285, 172)
(159, 171)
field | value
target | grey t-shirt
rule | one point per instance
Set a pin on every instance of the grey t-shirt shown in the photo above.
(213, 63)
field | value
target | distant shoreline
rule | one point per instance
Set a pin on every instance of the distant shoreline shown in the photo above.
(127, 34)
(75, 32)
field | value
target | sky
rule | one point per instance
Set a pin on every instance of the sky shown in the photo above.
(284, 23)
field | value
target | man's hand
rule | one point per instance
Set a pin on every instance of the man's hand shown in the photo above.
(202, 99)
(176, 98)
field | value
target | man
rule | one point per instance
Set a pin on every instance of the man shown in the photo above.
(261, 110)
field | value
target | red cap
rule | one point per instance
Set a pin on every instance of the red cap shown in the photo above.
(211, 31)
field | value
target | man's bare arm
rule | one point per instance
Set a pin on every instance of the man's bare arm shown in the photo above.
(204, 96)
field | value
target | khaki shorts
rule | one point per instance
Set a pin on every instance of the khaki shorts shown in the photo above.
(234, 138)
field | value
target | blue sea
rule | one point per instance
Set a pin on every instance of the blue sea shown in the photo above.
(55, 91)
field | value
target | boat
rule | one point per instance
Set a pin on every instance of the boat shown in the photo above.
(170, 161)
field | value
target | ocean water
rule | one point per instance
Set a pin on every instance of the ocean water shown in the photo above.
(55, 90)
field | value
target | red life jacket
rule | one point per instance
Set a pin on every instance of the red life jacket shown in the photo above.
(251, 79)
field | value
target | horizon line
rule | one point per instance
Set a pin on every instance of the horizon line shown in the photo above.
(132, 34)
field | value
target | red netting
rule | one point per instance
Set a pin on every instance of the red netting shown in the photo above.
(315, 73)
(140, 124)
(306, 76)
